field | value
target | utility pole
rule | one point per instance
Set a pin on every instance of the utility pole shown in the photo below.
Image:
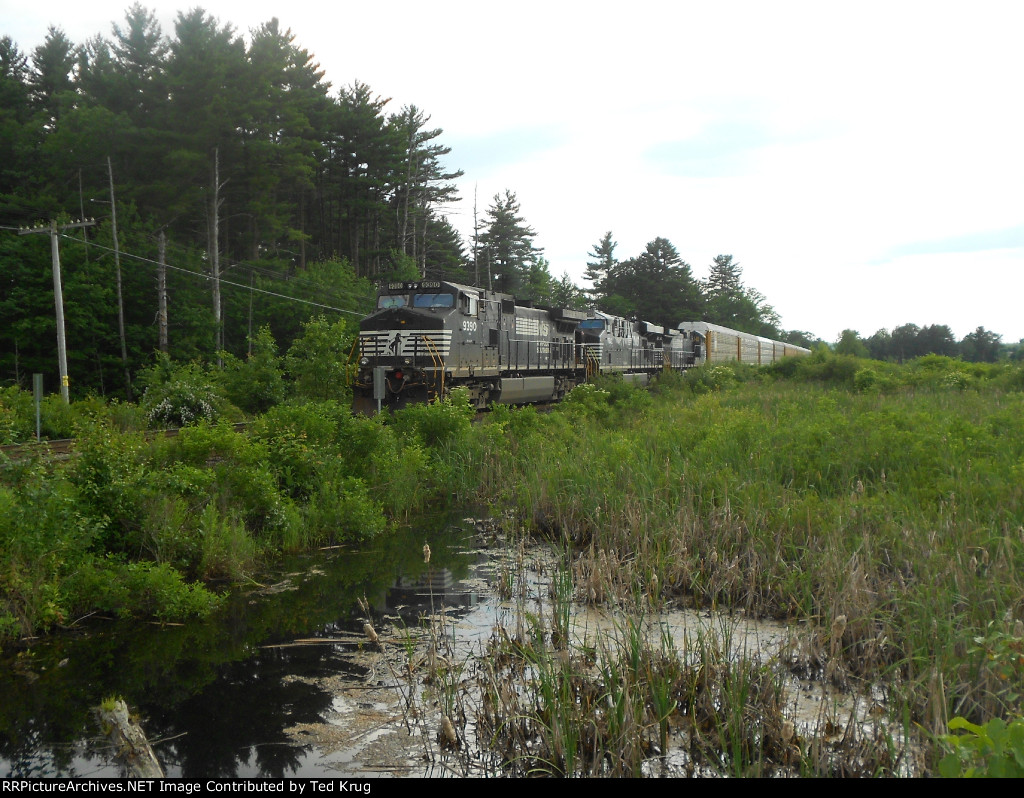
(476, 235)
(213, 244)
(58, 294)
(120, 300)
(161, 291)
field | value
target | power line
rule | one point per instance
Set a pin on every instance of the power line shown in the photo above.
(265, 272)
(151, 262)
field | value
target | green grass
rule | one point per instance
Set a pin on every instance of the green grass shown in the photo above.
(901, 511)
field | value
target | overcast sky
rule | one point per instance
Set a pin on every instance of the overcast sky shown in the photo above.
(863, 162)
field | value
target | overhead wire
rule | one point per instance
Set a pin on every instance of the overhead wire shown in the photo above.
(223, 281)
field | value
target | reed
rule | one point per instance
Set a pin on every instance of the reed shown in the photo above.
(901, 511)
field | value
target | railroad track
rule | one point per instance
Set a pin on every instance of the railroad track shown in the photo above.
(63, 447)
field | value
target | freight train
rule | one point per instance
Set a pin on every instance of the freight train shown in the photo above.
(426, 338)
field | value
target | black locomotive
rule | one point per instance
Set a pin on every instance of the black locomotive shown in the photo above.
(428, 337)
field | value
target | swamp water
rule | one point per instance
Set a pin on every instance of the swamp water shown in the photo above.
(287, 680)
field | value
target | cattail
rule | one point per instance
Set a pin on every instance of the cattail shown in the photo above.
(448, 731)
(426, 553)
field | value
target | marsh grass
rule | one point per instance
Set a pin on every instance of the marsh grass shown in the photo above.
(901, 513)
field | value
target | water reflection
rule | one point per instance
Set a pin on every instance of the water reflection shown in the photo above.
(217, 699)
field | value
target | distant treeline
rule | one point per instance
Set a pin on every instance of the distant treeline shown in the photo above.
(909, 341)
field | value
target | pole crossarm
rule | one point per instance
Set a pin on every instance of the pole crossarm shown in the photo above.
(46, 228)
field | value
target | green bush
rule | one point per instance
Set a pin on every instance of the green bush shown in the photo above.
(825, 367)
(709, 378)
(110, 475)
(994, 750)
(257, 383)
(140, 590)
(318, 360)
(440, 423)
(299, 438)
(342, 509)
(177, 395)
(17, 417)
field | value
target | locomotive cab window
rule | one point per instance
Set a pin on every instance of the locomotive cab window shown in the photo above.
(468, 304)
(392, 301)
(433, 301)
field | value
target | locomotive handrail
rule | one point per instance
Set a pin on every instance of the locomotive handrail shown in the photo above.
(356, 342)
(437, 360)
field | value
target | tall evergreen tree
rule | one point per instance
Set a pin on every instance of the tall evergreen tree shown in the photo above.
(139, 51)
(904, 342)
(285, 114)
(51, 82)
(731, 304)
(426, 184)
(724, 277)
(16, 138)
(981, 346)
(507, 245)
(601, 263)
(444, 255)
(363, 161)
(656, 286)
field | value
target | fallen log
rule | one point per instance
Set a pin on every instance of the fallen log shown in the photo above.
(131, 748)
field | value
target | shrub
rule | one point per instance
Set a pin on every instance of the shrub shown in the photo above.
(17, 418)
(995, 750)
(708, 378)
(438, 423)
(318, 359)
(109, 473)
(257, 383)
(180, 394)
(342, 509)
(141, 590)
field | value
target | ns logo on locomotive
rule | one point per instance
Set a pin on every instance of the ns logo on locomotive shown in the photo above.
(428, 337)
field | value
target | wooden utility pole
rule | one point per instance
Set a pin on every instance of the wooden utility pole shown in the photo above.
(161, 291)
(213, 233)
(476, 235)
(58, 293)
(120, 300)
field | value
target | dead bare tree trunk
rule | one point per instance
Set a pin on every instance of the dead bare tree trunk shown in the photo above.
(131, 748)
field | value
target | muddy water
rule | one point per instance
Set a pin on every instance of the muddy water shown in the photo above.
(288, 681)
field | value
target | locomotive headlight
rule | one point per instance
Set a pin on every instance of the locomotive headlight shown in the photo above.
(364, 361)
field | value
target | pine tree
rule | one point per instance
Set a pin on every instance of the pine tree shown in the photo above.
(724, 277)
(507, 244)
(603, 261)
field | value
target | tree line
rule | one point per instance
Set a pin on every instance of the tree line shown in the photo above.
(229, 179)
(909, 341)
(236, 154)
(235, 190)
